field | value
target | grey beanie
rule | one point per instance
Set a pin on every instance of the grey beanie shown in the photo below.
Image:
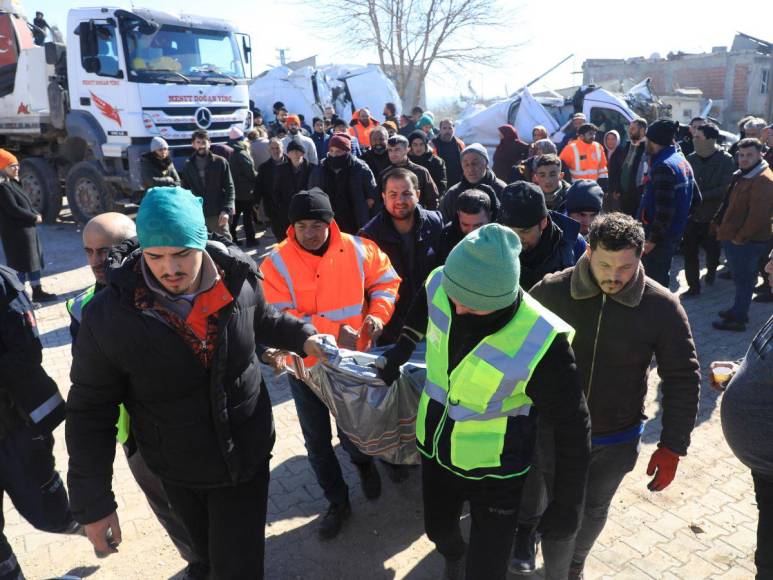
(158, 143)
(476, 148)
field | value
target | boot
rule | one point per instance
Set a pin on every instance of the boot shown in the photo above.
(40, 295)
(524, 559)
(370, 480)
(196, 571)
(576, 571)
(454, 569)
(334, 520)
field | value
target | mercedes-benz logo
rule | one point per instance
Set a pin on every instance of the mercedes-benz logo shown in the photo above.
(203, 117)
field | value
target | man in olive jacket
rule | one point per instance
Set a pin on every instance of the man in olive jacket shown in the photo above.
(622, 319)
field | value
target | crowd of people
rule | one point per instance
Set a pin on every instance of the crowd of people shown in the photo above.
(538, 276)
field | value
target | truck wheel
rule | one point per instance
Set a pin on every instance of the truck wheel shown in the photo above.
(88, 193)
(41, 182)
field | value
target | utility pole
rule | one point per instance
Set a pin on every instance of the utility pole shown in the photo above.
(283, 55)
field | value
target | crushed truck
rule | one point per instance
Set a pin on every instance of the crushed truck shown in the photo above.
(80, 116)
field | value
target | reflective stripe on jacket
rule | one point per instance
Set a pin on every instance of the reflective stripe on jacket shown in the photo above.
(585, 160)
(353, 279)
(473, 420)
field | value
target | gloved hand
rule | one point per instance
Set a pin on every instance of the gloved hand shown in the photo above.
(388, 364)
(665, 461)
(559, 522)
(387, 371)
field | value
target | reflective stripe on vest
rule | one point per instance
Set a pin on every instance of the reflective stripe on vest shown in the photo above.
(359, 250)
(76, 305)
(281, 267)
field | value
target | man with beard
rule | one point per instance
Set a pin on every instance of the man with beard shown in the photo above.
(397, 148)
(319, 137)
(421, 154)
(449, 148)
(377, 157)
(473, 210)
(288, 178)
(713, 168)
(687, 144)
(266, 181)
(476, 175)
(243, 173)
(340, 127)
(348, 182)
(390, 113)
(293, 124)
(208, 176)
(156, 166)
(550, 241)
(280, 117)
(363, 126)
(626, 170)
(410, 235)
(585, 157)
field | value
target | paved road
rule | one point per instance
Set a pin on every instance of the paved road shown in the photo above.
(703, 526)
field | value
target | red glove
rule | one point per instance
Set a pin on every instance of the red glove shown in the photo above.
(665, 461)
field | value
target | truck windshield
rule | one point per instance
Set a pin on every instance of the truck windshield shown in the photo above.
(181, 54)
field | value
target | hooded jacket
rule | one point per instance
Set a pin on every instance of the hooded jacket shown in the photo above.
(616, 338)
(510, 151)
(195, 425)
(491, 185)
(242, 170)
(157, 172)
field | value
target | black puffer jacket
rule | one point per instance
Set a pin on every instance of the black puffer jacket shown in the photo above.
(195, 426)
(491, 183)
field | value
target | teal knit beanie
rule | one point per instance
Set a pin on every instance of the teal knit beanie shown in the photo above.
(482, 271)
(171, 216)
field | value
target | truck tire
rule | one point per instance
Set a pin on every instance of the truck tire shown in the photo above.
(41, 182)
(88, 192)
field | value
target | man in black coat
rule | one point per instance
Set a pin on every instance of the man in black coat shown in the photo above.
(625, 171)
(243, 174)
(347, 181)
(421, 154)
(208, 176)
(286, 180)
(397, 147)
(411, 236)
(185, 367)
(377, 157)
(473, 211)
(30, 409)
(476, 175)
(449, 148)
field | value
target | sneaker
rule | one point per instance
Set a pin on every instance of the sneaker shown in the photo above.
(40, 295)
(334, 519)
(370, 480)
(196, 571)
(729, 324)
(690, 293)
(576, 571)
(454, 569)
(524, 558)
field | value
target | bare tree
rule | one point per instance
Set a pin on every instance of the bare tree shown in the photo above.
(410, 36)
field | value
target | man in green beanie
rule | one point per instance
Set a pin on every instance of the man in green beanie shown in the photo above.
(173, 337)
(495, 357)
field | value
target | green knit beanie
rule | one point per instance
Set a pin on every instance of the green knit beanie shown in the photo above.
(482, 271)
(171, 216)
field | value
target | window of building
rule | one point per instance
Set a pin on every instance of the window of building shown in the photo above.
(765, 81)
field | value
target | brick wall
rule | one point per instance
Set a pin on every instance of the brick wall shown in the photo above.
(710, 80)
(740, 87)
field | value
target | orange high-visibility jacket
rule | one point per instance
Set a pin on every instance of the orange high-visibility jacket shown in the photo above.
(362, 133)
(585, 161)
(352, 279)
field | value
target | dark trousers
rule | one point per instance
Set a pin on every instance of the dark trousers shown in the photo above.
(763, 556)
(657, 263)
(493, 515)
(743, 261)
(314, 418)
(245, 208)
(29, 477)
(153, 488)
(226, 524)
(697, 236)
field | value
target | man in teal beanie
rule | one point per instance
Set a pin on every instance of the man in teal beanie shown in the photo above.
(495, 357)
(173, 338)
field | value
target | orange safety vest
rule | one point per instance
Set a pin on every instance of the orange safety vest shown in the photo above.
(362, 133)
(353, 279)
(585, 160)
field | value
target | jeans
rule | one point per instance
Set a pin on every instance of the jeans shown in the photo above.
(657, 263)
(29, 477)
(743, 261)
(34, 277)
(609, 464)
(226, 524)
(314, 418)
(244, 208)
(763, 556)
(697, 236)
(493, 515)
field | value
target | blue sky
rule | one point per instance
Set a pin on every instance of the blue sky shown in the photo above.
(549, 31)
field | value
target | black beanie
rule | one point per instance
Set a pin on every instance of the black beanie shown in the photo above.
(311, 205)
(295, 145)
(522, 205)
(663, 132)
(418, 134)
(584, 195)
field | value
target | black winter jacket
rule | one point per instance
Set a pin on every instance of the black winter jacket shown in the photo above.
(158, 172)
(218, 191)
(242, 170)
(18, 230)
(436, 167)
(349, 192)
(428, 190)
(194, 426)
(713, 175)
(285, 182)
(448, 203)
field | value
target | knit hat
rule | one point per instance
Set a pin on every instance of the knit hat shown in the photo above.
(313, 204)
(235, 133)
(340, 141)
(390, 124)
(292, 119)
(157, 143)
(522, 205)
(423, 121)
(418, 134)
(295, 145)
(7, 158)
(171, 216)
(475, 148)
(579, 116)
(663, 132)
(584, 195)
(482, 271)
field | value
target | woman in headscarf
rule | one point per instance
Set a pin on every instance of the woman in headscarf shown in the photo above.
(510, 151)
(539, 132)
(611, 142)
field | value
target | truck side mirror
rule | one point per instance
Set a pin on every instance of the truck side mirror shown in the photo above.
(88, 40)
(91, 64)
